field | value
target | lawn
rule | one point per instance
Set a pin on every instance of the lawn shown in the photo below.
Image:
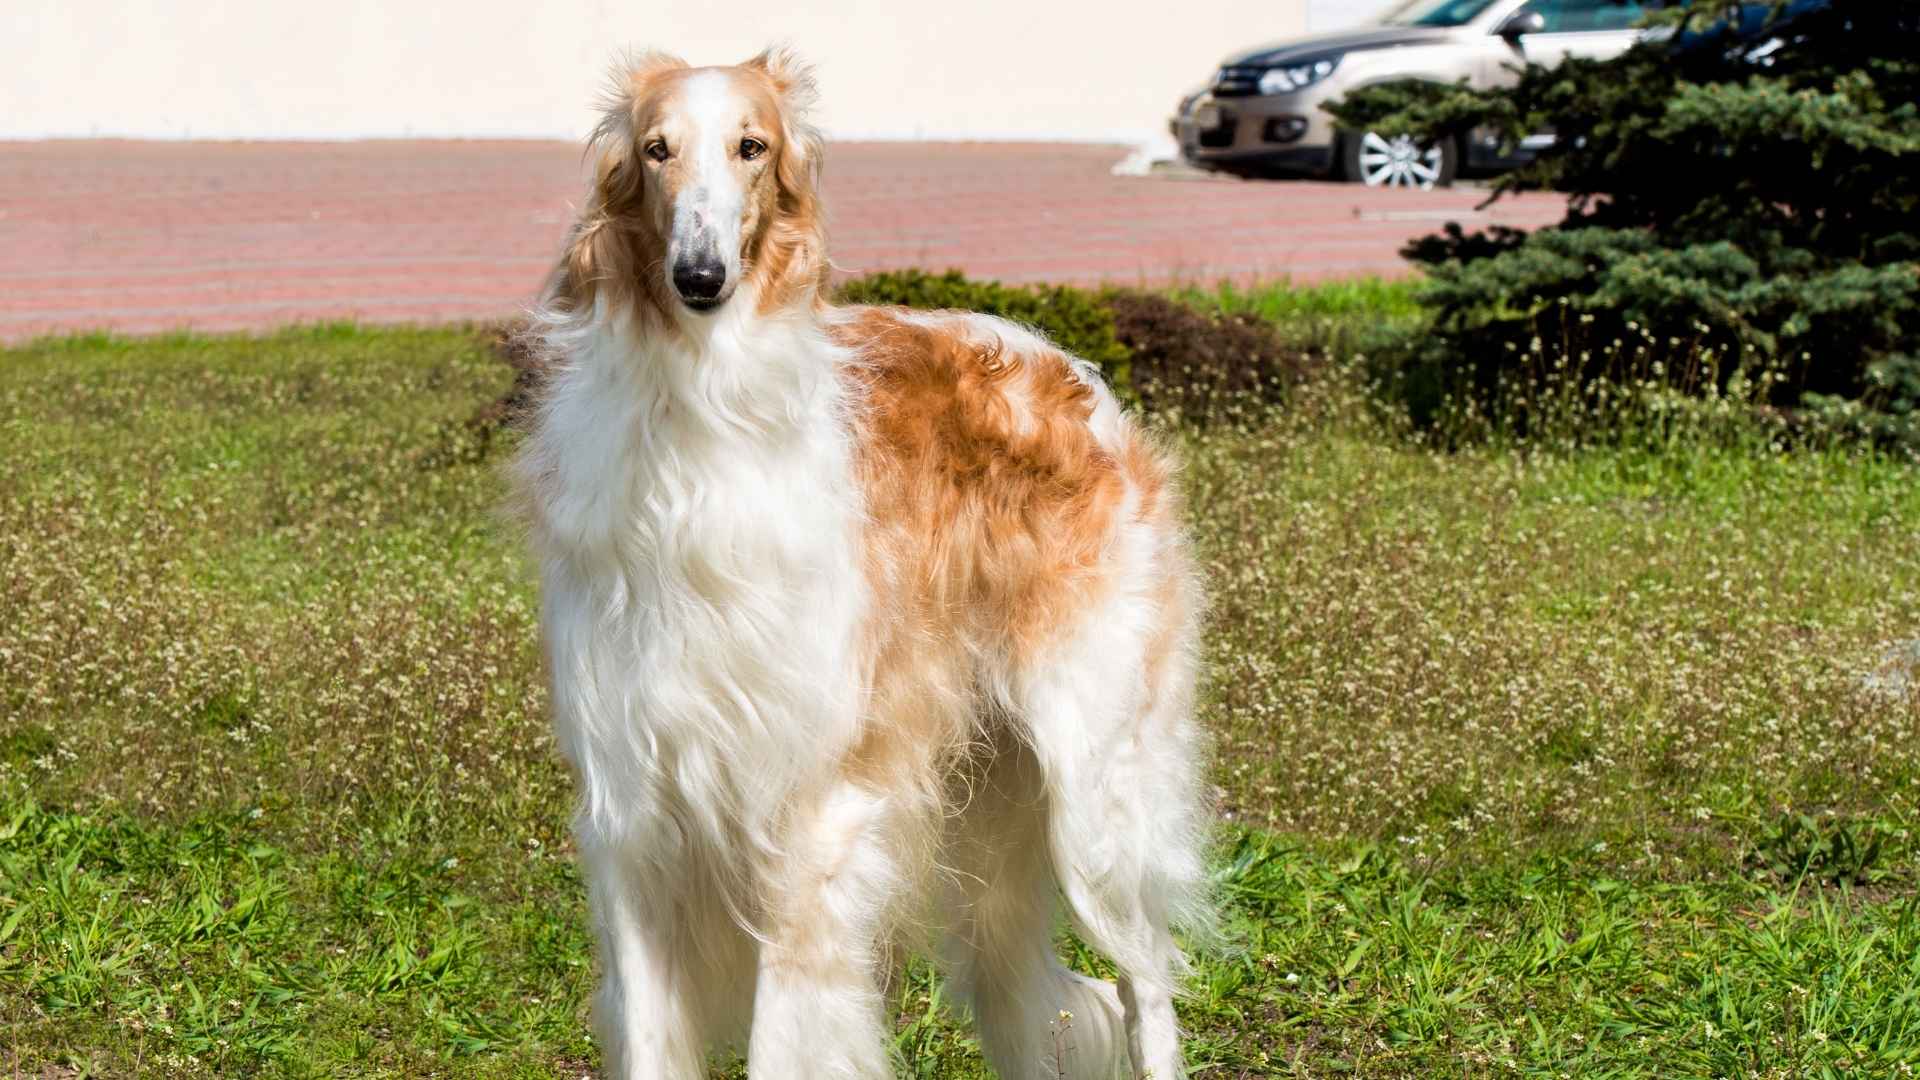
(1532, 761)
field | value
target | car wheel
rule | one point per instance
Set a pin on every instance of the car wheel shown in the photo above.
(1377, 160)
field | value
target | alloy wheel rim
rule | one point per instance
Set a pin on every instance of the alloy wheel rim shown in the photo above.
(1398, 162)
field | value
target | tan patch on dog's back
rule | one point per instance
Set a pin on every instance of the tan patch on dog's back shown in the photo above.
(990, 499)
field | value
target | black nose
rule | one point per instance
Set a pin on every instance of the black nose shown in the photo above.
(699, 280)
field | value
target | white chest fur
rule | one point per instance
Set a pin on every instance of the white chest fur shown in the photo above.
(697, 519)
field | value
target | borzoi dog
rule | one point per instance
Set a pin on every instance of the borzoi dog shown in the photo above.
(869, 630)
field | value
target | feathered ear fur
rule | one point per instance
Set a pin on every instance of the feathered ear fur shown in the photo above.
(798, 241)
(594, 252)
(798, 169)
(618, 177)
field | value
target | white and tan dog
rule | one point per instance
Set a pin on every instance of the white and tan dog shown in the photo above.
(869, 630)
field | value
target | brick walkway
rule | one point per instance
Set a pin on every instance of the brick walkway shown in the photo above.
(141, 237)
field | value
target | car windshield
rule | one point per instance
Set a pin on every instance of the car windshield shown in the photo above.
(1437, 12)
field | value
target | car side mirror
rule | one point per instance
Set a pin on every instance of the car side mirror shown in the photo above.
(1520, 24)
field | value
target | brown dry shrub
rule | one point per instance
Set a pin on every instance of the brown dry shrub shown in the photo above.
(1203, 365)
(517, 350)
(476, 438)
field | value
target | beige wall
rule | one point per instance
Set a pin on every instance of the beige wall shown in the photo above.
(1323, 15)
(351, 68)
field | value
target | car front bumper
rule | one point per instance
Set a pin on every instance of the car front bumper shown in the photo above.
(1277, 132)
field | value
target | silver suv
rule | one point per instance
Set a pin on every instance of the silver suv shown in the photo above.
(1261, 112)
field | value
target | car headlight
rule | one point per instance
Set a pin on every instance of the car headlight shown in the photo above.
(1285, 80)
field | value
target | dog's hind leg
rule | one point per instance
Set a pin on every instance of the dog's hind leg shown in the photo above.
(1037, 1019)
(1108, 714)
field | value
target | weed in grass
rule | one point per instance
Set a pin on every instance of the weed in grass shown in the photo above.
(1797, 846)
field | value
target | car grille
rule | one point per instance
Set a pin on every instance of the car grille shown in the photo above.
(1237, 81)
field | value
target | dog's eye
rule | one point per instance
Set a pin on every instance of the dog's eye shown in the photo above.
(657, 150)
(752, 148)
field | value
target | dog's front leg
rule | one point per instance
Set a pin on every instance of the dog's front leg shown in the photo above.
(646, 1014)
(817, 1009)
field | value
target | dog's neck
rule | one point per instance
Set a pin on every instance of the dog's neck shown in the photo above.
(738, 373)
(650, 419)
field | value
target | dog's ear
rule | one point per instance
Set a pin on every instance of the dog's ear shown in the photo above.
(798, 167)
(795, 264)
(791, 76)
(617, 173)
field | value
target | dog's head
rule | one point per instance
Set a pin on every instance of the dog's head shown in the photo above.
(705, 183)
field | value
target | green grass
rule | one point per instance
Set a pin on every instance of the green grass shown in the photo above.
(1534, 762)
(1341, 317)
(1337, 318)
(1372, 299)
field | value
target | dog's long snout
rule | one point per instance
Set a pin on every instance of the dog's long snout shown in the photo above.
(700, 279)
(704, 248)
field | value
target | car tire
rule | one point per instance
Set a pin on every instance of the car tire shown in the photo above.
(1378, 160)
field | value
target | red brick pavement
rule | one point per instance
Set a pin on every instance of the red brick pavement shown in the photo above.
(147, 236)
